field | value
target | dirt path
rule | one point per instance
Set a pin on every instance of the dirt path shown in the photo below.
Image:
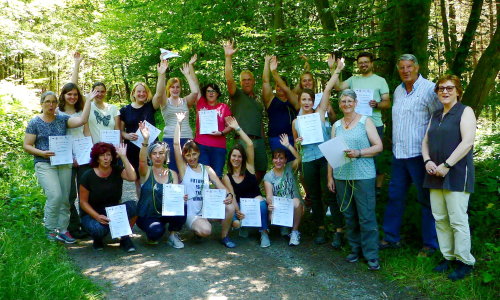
(207, 270)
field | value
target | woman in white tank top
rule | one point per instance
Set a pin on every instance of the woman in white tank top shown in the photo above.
(195, 178)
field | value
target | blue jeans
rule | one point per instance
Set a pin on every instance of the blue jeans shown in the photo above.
(404, 172)
(171, 157)
(97, 230)
(214, 157)
(274, 143)
(359, 213)
(264, 216)
(154, 227)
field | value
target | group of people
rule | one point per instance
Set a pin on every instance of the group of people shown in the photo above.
(433, 135)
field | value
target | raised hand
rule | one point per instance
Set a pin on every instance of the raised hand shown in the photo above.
(162, 67)
(340, 64)
(267, 58)
(180, 116)
(77, 57)
(284, 140)
(121, 150)
(185, 69)
(331, 60)
(193, 59)
(144, 131)
(229, 48)
(91, 95)
(273, 63)
(231, 122)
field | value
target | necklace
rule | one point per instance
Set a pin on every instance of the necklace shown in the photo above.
(346, 125)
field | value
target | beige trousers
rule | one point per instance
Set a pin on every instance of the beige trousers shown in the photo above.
(452, 224)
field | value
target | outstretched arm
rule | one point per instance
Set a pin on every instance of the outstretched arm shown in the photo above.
(291, 95)
(193, 84)
(84, 117)
(143, 154)
(128, 173)
(76, 67)
(160, 96)
(179, 160)
(286, 143)
(228, 69)
(231, 122)
(323, 106)
(267, 90)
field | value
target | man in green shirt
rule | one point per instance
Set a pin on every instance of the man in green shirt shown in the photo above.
(247, 109)
(367, 80)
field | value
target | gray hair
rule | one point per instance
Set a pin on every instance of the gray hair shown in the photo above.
(408, 57)
(153, 146)
(47, 93)
(349, 93)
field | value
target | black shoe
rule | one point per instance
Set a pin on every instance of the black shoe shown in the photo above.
(461, 271)
(320, 237)
(443, 266)
(126, 244)
(389, 245)
(338, 238)
(98, 244)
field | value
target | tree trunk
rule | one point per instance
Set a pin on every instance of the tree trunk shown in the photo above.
(278, 23)
(446, 34)
(453, 26)
(124, 78)
(484, 75)
(325, 16)
(458, 65)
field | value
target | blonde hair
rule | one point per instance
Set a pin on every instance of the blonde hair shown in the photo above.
(145, 86)
(171, 82)
(247, 72)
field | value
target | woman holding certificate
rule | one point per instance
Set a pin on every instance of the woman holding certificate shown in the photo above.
(101, 187)
(142, 108)
(196, 178)
(241, 179)
(355, 181)
(309, 130)
(173, 104)
(280, 182)
(54, 179)
(154, 172)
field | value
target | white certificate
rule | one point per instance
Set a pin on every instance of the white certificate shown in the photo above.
(282, 212)
(250, 207)
(208, 121)
(310, 128)
(213, 204)
(62, 146)
(111, 137)
(81, 149)
(173, 200)
(118, 224)
(364, 96)
(153, 134)
(334, 152)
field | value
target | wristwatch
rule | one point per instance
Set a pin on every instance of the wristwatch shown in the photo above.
(446, 165)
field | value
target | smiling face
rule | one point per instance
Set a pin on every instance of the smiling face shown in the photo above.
(175, 90)
(347, 104)
(365, 65)
(211, 95)
(105, 159)
(49, 104)
(140, 94)
(158, 156)
(279, 160)
(100, 93)
(307, 81)
(306, 102)
(408, 71)
(236, 158)
(71, 97)
(447, 93)
(191, 157)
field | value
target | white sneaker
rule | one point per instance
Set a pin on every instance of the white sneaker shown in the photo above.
(264, 240)
(294, 238)
(175, 241)
(284, 231)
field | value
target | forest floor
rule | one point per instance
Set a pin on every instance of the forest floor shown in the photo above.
(207, 270)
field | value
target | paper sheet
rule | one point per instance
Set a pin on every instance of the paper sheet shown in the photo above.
(111, 137)
(118, 224)
(333, 150)
(173, 200)
(81, 149)
(208, 121)
(364, 96)
(153, 134)
(213, 204)
(282, 212)
(250, 207)
(310, 128)
(62, 146)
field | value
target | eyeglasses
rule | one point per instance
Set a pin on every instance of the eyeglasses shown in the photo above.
(449, 89)
(211, 91)
(50, 102)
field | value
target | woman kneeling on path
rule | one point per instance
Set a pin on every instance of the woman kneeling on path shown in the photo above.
(280, 182)
(355, 181)
(101, 187)
(240, 180)
(154, 172)
(196, 177)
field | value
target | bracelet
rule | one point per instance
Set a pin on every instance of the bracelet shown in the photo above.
(227, 195)
(359, 156)
(447, 165)
(238, 129)
(426, 161)
(145, 144)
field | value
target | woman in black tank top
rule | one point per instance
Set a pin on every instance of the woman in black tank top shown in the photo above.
(242, 182)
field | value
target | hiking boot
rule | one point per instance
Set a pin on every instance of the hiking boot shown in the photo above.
(66, 238)
(338, 238)
(175, 241)
(461, 271)
(373, 265)
(126, 244)
(98, 244)
(294, 238)
(243, 232)
(320, 237)
(352, 257)
(264, 240)
(284, 231)
(426, 252)
(389, 245)
(443, 266)
(228, 243)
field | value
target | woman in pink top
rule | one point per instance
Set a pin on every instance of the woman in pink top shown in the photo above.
(212, 145)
